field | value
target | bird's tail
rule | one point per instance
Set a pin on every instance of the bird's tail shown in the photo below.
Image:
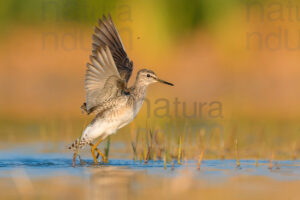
(79, 143)
(83, 108)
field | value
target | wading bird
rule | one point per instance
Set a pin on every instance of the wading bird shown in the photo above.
(107, 95)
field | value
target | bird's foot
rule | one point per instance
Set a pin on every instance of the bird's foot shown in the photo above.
(95, 161)
(105, 160)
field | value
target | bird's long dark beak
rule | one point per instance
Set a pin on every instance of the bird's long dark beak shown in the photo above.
(165, 82)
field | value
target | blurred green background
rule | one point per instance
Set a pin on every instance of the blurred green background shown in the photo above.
(234, 52)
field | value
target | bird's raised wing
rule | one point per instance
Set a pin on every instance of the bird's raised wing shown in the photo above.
(102, 79)
(107, 35)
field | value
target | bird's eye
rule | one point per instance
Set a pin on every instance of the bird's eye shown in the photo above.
(148, 75)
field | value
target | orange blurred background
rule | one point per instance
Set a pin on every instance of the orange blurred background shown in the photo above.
(236, 53)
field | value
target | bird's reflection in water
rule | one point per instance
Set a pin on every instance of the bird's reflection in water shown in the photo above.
(111, 183)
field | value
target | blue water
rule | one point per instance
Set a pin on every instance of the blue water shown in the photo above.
(38, 164)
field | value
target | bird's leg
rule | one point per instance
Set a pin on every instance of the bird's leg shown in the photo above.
(74, 158)
(94, 148)
(93, 153)
(104, 159)
(102, 155)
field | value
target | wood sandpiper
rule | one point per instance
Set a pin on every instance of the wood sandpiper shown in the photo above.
(107, 95)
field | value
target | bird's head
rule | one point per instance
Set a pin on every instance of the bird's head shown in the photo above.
(146, 77)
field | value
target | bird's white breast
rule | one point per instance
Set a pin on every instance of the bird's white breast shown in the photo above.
(113, 120)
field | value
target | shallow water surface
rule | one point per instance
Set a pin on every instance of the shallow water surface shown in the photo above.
(40, 164)
(34, 171)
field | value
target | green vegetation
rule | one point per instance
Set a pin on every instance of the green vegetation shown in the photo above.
(188, 15)
(175, 140)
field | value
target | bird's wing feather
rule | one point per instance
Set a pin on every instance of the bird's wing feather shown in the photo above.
(102, 79)
(107, 35)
